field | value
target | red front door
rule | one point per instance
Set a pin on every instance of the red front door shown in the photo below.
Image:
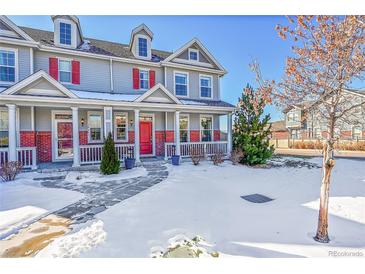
(145, 137)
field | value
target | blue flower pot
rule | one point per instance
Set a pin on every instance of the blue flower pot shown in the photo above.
(175, 159)
(129, 163)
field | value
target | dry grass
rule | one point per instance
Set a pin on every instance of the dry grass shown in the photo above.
(350, 146)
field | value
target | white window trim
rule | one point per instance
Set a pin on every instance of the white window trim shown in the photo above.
(148, 57)
(201, 128)
(197, 55)
(353, 131)
(148, 78)
(16, 63)
(101, 127)
(59, 71)
(187, 83)
(187, 116)
(211, 86)
(59, 34)
(115, 126)
(4, 109)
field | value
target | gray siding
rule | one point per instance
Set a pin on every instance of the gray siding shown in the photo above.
(194, 92)
(123, 76)
(94, 73)
(23, 60)
(24, 119)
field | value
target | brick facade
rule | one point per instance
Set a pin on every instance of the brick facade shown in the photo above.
(83, 138)
(280, 135)
(194, 136)
(44, 146)
(346, 134)
(217, 135)
(27, 139)
(169, 136)
(160, 142)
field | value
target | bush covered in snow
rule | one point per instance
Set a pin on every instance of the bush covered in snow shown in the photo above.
(9, 170)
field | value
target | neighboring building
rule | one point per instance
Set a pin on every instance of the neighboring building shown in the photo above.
(279, 130)
(305, 122)
(61, 94)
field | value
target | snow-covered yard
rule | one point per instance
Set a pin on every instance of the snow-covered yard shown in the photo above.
(205, 200)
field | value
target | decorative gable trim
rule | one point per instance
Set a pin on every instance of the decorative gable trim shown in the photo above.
(15, 28)
(36, 76)
(157, 87)
(137, 30)
(186, 47)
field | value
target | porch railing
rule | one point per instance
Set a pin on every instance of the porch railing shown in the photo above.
(26, 155)
(205, 148)
(92, 154)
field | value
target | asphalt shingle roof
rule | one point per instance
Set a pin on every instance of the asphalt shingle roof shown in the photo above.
(94, 46)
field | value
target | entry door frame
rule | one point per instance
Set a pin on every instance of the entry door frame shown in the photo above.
(54, 132)
(151, 115)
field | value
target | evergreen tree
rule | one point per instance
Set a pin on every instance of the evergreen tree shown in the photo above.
(251, 131)
(110, 163)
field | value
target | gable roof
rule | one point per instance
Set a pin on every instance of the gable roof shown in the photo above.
(73, 18)
(200, 44)
(137, 30)
(154, 89)
(15, 28)
(41, 74)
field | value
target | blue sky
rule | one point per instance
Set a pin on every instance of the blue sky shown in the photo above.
(233, 40)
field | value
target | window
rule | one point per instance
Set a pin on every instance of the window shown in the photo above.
(193, 54)
(206, 86)
(184, 129)
(120, 126)
(4, 128)
(295, 134)
(356, 132)
(142, 47)
(95, 127)
(293, 117)
(7, 66)
(65, 33)
(65, 71)
(143, 79)
(181, 84)
(206, 128)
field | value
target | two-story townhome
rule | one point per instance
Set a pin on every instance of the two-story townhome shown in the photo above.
(305, 122)
(61, 94)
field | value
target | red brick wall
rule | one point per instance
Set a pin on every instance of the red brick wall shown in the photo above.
(160, 142)
(130, 137)
(346, 134)
(169, 136)
(27, 139)
(280, 135)
(44, 146)
(83, 137)
(194, 136)
(217, 135)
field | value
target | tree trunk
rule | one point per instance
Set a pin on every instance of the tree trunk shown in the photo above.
(328, 164)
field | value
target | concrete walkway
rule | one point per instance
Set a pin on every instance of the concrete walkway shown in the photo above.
(318, 152)
(102, 195)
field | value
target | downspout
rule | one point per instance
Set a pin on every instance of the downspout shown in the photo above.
(111, 75)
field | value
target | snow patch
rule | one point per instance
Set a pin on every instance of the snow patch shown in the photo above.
(72, 245)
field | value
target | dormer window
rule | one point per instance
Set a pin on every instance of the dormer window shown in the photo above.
(142, 47)
(193, 55)
(65, 33)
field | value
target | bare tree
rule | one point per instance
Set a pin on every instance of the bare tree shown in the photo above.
(328, 55)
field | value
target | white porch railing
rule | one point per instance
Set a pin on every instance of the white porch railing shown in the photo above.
(205, 148)
(92, 154)
(26, 155)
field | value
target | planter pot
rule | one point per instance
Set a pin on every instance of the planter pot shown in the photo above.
(129, 163)
(175, 159)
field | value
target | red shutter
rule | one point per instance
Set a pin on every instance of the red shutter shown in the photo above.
(135, 78)
(75, 72)
(152, 78)
(53, 67)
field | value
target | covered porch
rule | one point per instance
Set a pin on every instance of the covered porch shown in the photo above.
(42, 121)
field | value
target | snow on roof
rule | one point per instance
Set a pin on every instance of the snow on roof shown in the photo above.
(105, 95)
(2, 89)
(191, 102)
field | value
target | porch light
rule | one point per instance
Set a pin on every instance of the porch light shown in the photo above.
(82, 122)
(131, 122)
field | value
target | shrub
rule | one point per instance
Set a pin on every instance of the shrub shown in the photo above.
(236, 156)
(217, 158)
(110, 163)
(9, 170)
(196, 155)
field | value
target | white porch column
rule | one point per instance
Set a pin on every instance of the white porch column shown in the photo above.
(136, 135)
(12, 132)
(108, 121)
(177, 132)
(75, 136)
(229, 132)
